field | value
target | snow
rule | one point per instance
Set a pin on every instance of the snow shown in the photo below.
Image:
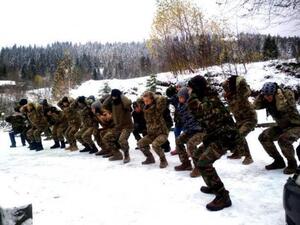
(7, 82)
(78, 188)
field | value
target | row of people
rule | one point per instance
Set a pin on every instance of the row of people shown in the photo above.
(204, 127)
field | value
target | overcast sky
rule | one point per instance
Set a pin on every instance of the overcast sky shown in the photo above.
(40, 22)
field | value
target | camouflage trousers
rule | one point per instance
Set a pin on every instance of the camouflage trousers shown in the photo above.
(155, 141)
(58, 131)
(71, 131)
(285, 140)
(109, 140)
(244, 129)
(191, 141)
(84, 135)
(97, 137)
(208, 155)
(122, 138)
(34, 133)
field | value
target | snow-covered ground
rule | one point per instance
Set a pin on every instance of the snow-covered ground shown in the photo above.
(81, 189)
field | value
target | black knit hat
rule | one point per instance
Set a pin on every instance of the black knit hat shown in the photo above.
(81, 99)
(115, 93)
(199, 85)
(23, 101)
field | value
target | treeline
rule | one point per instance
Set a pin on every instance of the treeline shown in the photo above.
(37, 65)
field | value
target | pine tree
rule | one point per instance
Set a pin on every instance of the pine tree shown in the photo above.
(63, 80)
(270, 49)
(151, 83)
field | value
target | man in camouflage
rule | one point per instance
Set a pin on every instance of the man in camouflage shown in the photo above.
(192, 133)
(236, 93)
(221, 133)
(39, 124)
(280, 104)
(157, 131)
(73, 118)
(60, 124)
(88, 125)
(120, 106)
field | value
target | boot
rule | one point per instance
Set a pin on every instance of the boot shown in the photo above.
(221, 201)
(56, 145)
(174, 152)
(149, 157)
(73, 147)
(277, 164)
(86, 148)
(107, 154)
(39, 146)
(33, 145)
(117, 155)
(195, 172)
(94, 149)
(207, 190)
(126, 157)
(62, 144)
(184, 166)
(102, 152)
(163, 162)
(291, 168)
(248, 160)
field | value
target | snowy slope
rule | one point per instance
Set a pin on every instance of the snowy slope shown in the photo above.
(80, 189)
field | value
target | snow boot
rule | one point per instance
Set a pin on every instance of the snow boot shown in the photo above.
(277, 164)
(86, 148)
(248, 160)
(62, 144)
(207, 190)
(221, 201)
(291, 168)
(163, 162)
(56, 145)
(117, 155)
(32, 145)
(149, 157)
(39, 146)
(107, 154)
(126, 157)
(93, 149)
(184, 166)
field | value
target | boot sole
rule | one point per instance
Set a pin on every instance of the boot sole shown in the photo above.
(214, 209)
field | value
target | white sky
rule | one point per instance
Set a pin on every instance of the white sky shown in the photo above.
(41, 22)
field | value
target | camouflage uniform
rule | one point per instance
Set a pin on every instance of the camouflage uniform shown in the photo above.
(72, 116)
(237, 92)
(123, 125)
(60, 125)
(284, 112)
(157, 131)
(37, 119)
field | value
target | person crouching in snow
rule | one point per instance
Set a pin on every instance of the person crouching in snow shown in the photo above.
(157, 130)
(192, 133)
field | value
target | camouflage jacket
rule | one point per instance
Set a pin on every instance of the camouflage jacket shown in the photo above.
(239, 105)
(36, 115)
(154, 116)
(282, 109)
(17, 121)
(71, 112)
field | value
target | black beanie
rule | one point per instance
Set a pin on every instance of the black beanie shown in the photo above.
(199, 85)
(81, 99)
(116, 93)
(23, 101)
